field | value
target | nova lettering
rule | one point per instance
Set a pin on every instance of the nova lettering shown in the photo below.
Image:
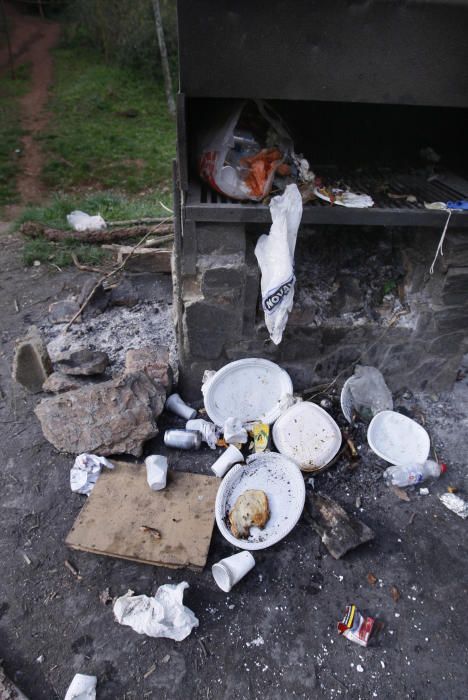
(275, 297)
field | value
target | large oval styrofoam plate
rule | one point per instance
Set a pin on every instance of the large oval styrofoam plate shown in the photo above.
(248, 389)
(308, 435)
(283, 484)
(398, 439)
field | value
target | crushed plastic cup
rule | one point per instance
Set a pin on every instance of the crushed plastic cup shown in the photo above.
(229, 457)
(156, 472)
(176, 405)
(230, 570)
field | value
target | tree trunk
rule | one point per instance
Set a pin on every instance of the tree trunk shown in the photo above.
(164, 61)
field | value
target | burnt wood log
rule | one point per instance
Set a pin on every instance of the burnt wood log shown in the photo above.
(339, 531)
(34, 229)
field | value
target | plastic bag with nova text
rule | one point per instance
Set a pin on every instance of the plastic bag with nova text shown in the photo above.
(275, 255)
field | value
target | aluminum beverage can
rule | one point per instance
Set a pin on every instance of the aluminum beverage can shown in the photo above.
(182, 439)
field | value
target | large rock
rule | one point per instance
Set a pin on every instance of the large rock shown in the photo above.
(154, 362)
(31, 363)
(84, 362)
(57, 383)
(63, 311)
(109, 418)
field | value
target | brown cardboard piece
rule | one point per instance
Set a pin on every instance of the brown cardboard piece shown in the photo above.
(122, 502)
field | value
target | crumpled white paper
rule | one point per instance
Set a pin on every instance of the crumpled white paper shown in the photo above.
(82, 688)
(206, 429)
(85, 472)
(234, 432)
(81, 221)
(275, 255)
(163, 615)
(455, 504)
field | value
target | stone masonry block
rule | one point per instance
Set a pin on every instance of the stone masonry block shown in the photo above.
(455, 291)
(222, 238)
(225, 283)
(31, 363)
(208, 327)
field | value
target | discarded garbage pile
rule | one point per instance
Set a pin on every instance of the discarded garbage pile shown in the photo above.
(271, 439)
(246, 153)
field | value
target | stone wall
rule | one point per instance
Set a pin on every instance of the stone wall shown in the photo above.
(361, 295)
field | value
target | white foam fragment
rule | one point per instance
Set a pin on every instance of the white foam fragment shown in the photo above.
(455, 504)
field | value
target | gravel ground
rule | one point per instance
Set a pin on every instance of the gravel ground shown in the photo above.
(275, 634)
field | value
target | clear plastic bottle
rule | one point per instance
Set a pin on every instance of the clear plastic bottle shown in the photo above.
(411, 474)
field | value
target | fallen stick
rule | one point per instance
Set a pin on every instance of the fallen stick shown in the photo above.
(33, 229)
(106, 277)
(85, 268)
(144, 220)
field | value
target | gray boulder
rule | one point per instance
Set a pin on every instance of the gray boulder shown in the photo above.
(113, 417)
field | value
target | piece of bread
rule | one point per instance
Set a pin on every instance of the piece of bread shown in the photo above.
(251, 508)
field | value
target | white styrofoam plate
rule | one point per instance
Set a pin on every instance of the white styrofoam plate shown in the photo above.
(308, 435)
(248, 389)
(346, 401)
(398, 439)
(283, 484)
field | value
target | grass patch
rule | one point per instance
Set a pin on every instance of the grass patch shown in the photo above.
(61, 253)
(10, 132)
(110, 127)
(112, 206)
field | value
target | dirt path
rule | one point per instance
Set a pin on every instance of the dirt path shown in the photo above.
(32, 39)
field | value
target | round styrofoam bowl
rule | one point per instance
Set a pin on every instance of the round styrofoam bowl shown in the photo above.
(283, 484)
(398, 439)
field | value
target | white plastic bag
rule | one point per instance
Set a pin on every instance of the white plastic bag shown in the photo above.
(275, 255)
(163, 615)
(81, 221)
(224, 165)
(369, 392)
(85, 472)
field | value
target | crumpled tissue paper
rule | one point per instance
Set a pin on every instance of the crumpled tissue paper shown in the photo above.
(82, 688)
(234, 431)
(207, 430)
(85, 472)
(163, 615)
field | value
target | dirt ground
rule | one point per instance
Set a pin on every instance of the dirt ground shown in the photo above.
(32, 39)
(275, 634)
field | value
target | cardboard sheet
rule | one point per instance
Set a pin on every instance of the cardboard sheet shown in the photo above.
(122, 502)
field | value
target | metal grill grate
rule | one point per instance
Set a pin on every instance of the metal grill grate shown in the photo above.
(204, 204)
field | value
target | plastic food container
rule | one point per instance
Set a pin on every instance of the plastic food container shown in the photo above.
(398, 439)
(308, 435)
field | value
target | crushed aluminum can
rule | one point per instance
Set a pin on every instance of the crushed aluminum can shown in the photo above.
(183, 439)
(355, 626)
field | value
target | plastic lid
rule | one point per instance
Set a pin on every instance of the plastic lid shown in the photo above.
(443, 468)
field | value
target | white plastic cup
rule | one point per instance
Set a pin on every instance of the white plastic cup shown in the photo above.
(176, 405)
(230, 570)
(156, 472)
(229, 457)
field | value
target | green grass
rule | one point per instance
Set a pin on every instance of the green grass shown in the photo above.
(90, 141)
(10, 133)
(111, 205)
(61, 253)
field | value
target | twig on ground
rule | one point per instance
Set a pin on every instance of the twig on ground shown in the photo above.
(106, 277)
(85, 268)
